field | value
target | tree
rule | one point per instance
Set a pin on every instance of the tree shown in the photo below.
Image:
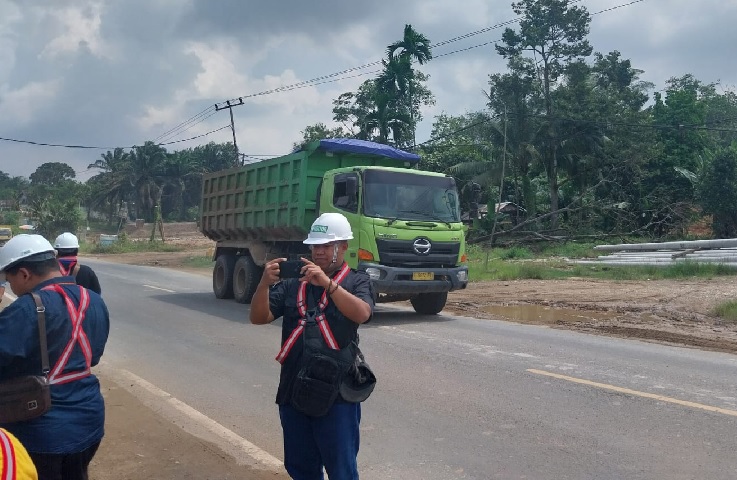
(113, 185)
(718, 191)
(414, 46)
(554, 33)
(52, 174)
(319, 131)
(148, 166)
(515, 98)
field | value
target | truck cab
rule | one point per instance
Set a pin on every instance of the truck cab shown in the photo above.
(408, 235)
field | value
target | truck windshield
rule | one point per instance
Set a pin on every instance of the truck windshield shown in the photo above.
(410, 196)
(4, 232)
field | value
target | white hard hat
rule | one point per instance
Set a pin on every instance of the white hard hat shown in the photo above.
(66, 240)
(329, 227)
(24, 246)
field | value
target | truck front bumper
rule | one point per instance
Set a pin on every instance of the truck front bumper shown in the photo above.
(398, 280)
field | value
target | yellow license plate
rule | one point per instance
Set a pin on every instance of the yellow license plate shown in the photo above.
(423, 276)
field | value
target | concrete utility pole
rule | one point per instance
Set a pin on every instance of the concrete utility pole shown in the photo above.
(229, 106)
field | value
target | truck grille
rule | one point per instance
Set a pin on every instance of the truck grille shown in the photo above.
(401, 253)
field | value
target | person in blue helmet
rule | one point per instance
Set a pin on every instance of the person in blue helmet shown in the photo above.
(63, 441)
(321, 313)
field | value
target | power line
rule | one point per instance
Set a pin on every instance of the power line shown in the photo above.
(183, 127)
(92, 147)
(198, 118)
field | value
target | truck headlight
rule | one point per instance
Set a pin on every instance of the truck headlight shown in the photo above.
(373, 273)
(462, 276)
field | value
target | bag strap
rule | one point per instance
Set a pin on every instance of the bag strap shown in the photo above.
(41, 314)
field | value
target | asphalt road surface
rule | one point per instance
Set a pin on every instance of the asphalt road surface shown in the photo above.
(457, 398)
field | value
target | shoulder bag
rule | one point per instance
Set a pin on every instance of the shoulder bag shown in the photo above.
(25, 398)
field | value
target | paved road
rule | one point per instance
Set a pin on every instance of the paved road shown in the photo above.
(457, 398)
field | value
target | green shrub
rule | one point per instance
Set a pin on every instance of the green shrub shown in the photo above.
(726, 310)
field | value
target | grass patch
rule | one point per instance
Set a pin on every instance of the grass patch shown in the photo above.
(126, 246)
(726, 310)
(199, 261)
(521, 263)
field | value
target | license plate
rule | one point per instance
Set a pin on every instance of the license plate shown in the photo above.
(423, 276)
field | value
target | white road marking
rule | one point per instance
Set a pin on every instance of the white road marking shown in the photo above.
(159, 288)
(191, 420)
(636, 393)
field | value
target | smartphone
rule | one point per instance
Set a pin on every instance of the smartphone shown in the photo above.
(291, 268)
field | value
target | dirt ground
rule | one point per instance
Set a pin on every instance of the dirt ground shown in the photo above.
(140, 445)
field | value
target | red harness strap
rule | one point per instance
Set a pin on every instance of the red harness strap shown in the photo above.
(327, 333)
(67, 264)
(77, 316)
(7, 466)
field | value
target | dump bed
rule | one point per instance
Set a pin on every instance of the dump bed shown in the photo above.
(276, 199)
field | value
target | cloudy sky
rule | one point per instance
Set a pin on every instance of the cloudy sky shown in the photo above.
(117, 73)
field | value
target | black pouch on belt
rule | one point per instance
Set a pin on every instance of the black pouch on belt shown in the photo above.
(318, 382)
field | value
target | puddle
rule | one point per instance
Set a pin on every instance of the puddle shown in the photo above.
(545, 315)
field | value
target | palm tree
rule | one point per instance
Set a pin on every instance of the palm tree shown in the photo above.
(112, 185)
(413, 46)
(148, 176)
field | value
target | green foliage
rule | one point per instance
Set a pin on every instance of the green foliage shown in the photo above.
(125, 245)
(726, 310)
(199, 261)
(519, 263)
(319, 131)
(717, 191)
(10, 218)
(53, 216)
(52, 174)
(386, 109)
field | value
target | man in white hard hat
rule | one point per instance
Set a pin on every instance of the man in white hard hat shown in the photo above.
(67, 247)
(63, 441)
(322, 311)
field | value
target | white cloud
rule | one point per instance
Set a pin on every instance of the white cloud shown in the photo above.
(106, 72)
(80, 27)
(20, 107)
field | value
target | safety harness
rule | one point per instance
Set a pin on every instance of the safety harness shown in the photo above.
(320, 320)
(79, 337)
(69, 266)
(7, 465)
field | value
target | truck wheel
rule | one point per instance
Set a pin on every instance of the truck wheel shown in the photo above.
(222, 276)
(429, 303)
(246, 276)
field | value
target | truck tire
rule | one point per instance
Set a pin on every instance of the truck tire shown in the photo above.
(246, 276)
(429, 303)
(222, 276)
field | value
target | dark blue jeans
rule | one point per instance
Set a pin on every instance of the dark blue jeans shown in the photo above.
(311, 443)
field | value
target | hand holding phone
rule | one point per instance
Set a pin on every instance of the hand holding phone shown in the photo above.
(291, 269)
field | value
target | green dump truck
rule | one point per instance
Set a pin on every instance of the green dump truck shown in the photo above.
(408, 235)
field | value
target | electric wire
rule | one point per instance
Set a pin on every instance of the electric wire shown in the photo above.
(92, 147)
(329, 78)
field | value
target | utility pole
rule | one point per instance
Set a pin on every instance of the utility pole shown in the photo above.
(229, 106)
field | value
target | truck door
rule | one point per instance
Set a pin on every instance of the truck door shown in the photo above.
(345, 201)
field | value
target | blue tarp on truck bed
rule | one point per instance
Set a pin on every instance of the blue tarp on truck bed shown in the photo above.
(351, 145)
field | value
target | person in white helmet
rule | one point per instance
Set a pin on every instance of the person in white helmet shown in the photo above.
(67, 247)
(321, 313)
(63, 441)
